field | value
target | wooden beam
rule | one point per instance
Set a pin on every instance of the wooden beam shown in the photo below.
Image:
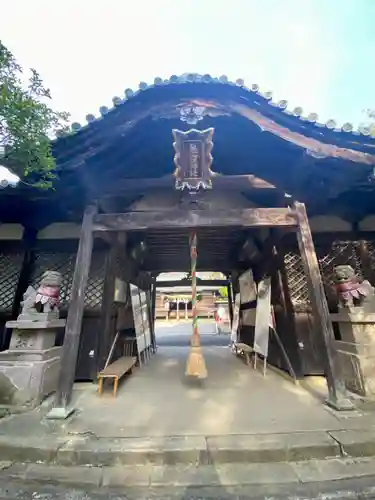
(336, 388)
(219, 182)
(167, 284)
(74, 319)
(140, 221)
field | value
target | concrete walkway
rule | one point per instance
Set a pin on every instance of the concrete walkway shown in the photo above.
(178, 333)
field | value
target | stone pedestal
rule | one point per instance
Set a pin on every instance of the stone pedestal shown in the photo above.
(356, 350)
(29, 370)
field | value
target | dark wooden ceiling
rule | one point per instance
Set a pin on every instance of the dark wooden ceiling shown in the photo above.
(168, 250)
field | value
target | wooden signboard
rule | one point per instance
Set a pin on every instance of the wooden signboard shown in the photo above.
(193, 158)
(141, 322)
(145, 317)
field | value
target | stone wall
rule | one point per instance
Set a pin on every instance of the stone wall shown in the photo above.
(357, 350)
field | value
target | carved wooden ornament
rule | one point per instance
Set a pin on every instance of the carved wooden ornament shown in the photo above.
(193, 158)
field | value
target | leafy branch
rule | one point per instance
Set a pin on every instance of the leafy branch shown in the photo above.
(370, 120)
(27, 123)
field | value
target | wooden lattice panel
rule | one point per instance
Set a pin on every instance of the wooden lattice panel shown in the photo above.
(10, 268)
(371, 252)
(297, 282)
(338, 253)
(94, 289)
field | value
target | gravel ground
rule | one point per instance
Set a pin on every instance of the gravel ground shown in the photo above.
(179, 334)
(359, 489)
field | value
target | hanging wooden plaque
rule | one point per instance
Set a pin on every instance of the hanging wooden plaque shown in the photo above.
(193, 158)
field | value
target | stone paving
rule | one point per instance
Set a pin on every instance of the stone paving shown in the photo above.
(178, 333)
(236, 428)
(156, 400)
(235, 415)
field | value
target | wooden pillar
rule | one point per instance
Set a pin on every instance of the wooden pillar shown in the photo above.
(286, 313)
(230, 303)
(69, 356)
(235, 283)
(27, 266)
(177, 309)
(152, 312)
(337, 396)
(104, 338)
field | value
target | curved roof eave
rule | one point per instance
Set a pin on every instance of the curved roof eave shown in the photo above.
(319, 140)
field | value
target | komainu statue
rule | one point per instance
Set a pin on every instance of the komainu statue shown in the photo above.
(351, 290)
(45, 299)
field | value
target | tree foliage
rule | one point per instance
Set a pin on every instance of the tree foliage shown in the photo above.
(223, 291)
(370, 120)
(27, 122)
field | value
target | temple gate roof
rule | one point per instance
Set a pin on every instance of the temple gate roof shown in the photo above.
(125, 150)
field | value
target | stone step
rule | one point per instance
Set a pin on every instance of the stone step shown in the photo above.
(196, 450)
(190, 476)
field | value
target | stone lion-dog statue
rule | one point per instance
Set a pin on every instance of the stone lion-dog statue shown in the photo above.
(351, 290)
(46, 298)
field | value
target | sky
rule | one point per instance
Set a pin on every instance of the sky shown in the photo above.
(317, 54)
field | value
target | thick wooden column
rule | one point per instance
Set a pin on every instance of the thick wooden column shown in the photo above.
(337, 396)
(230, 302)
(69, 356)
(235, 284)
(152, 295)
(285, 313)
(104, 339)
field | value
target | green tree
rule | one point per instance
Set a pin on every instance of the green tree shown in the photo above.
(370, 120)
(27, 123)
(223, 291)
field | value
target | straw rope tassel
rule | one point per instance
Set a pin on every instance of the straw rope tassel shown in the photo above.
(195, 365)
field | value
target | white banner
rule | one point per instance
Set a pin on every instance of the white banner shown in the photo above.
(264, 318)
(236, 319)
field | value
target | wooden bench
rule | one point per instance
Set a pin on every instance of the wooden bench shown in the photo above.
(247, 351)
(116, 370)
